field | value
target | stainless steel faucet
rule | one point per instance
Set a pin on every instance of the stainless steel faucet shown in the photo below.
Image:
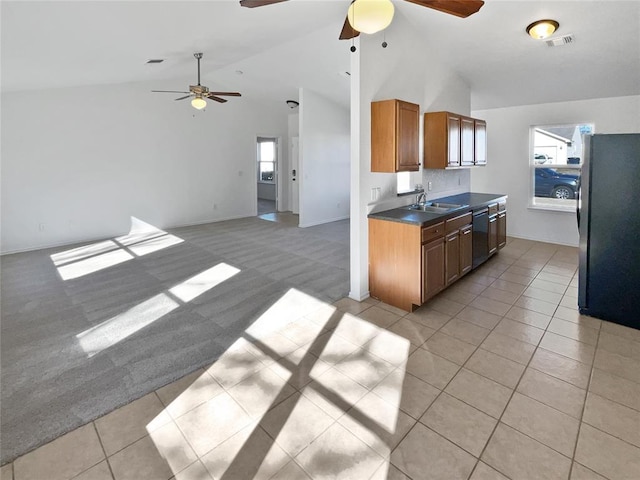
(421, 198)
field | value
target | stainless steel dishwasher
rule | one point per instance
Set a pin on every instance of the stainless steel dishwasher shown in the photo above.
(480, 236)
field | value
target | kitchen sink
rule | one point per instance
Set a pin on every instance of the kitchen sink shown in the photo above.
(434, 207)
(446, 205)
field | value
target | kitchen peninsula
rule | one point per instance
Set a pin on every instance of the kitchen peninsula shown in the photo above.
(417, 251)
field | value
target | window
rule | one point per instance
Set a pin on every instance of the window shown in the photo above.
(556, 160)
(403, 182)
(267, 159)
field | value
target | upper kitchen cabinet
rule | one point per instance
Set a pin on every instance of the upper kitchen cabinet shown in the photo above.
(395, 126)
(467, 143)
(454, 141)
(480, 142)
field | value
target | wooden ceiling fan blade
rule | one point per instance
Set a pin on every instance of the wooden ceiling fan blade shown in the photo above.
(182, 98)
(216, 99)
(348, 32)
(226, 94)
(169, 91)
(258, 3)
(459, 8)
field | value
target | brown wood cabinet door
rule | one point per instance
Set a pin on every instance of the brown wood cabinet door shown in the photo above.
(453, 140)
(480, 127)
(452, 257)
(493, 234)
(467, 134)
(432, 268)
(466, 252)
(502, 229)
(407, 137)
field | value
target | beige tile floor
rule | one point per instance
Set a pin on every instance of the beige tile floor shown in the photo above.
(498, 377)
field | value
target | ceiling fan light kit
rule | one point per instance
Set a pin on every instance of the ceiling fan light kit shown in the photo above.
(370, 16)
(198, 103)
(542, 29)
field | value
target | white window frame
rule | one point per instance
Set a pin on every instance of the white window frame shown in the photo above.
(273, 140)
(548, 203)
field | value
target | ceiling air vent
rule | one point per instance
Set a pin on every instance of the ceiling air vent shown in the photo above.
(563, 40)
(156, 60)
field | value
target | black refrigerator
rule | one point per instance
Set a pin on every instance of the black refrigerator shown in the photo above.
(609, 225)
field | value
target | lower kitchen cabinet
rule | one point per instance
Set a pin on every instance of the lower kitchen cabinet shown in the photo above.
(502, 224)
(466, 250)
(433, 261)
(492, 242)
(395, 263)
(493, 234)
(452, 257)
(410, 263)
(458, 247)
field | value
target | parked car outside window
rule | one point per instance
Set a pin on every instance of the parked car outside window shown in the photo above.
(554, 184)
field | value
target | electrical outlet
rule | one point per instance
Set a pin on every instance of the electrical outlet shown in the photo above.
(41, 227)
(429, 186)
(215, 206)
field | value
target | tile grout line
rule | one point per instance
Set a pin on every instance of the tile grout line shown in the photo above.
(106, 457)
(457, 372)
(584, 406)
(514, 391)
(478, 347)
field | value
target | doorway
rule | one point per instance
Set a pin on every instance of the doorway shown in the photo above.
(267, 175)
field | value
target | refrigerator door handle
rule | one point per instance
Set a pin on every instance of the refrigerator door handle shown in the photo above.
(578, 205)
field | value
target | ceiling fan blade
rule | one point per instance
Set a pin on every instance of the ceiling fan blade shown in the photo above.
(182, 98)
(226, 94)
(216, 99)
(169, 91)
(348, 32)
(459, 8)
(258, 3)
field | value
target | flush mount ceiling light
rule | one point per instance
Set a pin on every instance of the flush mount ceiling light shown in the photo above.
(542, 29)
(292, 103)
(370, 16)
(198, 103)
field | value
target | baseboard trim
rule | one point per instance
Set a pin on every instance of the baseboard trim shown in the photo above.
(322, 222)
(359, 298)
(98, 239)
(523, 237)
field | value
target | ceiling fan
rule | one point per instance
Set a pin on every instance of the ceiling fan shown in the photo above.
(200, 92)
(371, 16)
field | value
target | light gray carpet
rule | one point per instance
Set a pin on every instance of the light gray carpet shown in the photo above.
(266, 206)
(51, 385)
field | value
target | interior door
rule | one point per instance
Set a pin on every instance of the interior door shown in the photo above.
(294, 177)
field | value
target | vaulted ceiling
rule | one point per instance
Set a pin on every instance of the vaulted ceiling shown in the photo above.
(281, 47)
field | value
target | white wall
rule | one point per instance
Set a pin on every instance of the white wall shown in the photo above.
(77, 163)
(285, 175)
(508, 170)
(324, 160)
(408, 71)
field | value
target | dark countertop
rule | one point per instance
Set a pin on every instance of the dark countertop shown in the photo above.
(472, 201)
